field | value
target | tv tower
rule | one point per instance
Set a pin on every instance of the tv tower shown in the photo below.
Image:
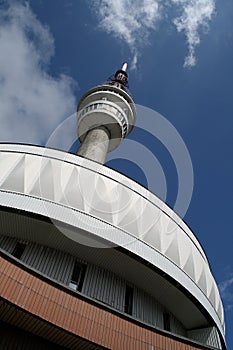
(106, 115)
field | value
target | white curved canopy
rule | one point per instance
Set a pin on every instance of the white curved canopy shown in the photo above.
(116, 209)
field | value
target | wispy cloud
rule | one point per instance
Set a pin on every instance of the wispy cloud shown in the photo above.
(226, 291)
(129, 20)
(196, 15)
(32, 101)
(132, 21)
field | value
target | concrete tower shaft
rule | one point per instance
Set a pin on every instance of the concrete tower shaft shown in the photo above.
(106, 114)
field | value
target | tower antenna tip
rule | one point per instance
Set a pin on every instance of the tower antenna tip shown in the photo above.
(124, 66)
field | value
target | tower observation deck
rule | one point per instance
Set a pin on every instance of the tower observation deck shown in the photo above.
(106, 115)
(86, 258)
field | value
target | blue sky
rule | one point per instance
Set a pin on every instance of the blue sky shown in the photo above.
(180, 54)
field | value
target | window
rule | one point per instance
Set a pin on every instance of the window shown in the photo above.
(18, 250)
(129, 300)
(166, 322)
(78, 276)
(126, 111)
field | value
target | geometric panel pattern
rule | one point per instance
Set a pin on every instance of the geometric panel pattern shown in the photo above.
(81, 184)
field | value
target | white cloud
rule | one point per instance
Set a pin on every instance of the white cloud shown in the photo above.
(132, 21)
(226, 291)
(129, 20)
(196, 14)
(32, 101)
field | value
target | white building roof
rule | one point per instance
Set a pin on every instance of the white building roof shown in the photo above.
(109, 205)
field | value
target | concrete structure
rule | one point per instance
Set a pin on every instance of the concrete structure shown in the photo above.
(89, 259)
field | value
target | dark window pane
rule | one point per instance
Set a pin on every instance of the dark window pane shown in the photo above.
(18, 250)
(78, 276)
(129, 300)
(76, 272)
(82, 276)
(166, 321)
